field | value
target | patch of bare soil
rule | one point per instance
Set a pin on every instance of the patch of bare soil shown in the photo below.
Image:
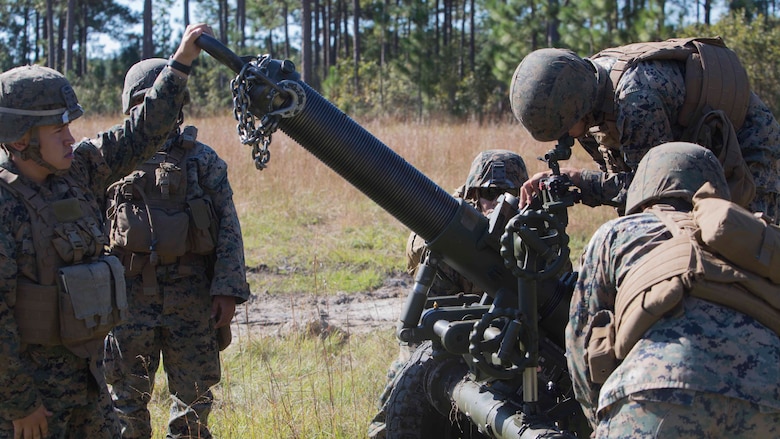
(282, 314)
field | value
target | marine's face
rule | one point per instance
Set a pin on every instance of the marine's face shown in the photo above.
(56, 145)
(488, 198)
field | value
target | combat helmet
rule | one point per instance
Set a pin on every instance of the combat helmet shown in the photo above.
(138, 79)
(674, 170)
(551, 90)
(495, 168)
(32, 96)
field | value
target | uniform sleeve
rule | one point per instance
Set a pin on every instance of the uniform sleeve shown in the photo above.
(605, 189)
(229, 267)
(415, 250)
(18, 395)
(648, 98)
(116, 152)
(644, 122)
(593, 292)
(759, 140)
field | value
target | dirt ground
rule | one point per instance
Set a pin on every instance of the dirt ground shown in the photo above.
(275, 314)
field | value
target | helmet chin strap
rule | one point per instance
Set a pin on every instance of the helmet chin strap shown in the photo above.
(33, 152)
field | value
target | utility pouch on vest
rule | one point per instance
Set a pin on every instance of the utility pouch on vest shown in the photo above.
(37, 314)
(202, 235)
(601, 346)
(136, 232)
(93, 299)
(737, 235)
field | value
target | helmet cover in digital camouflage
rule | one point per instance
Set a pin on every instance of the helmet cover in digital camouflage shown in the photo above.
(497, 168)
(551, 90)
(138, 79)
(674, 170)
(32, 96)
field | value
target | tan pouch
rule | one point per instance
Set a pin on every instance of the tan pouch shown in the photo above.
(92, 300)
(601, 346)
(133, 232)
(737, 234)
(640, 314)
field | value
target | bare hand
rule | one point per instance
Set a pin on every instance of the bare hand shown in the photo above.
(32, 426)
(188, 51)
(222, 310)
(533, 185)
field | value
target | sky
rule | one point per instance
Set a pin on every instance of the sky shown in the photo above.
(110, 44)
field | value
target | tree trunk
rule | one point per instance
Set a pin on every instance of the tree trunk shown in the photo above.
(472, 38)
(70, 23)
(306, 40)
(270, 44)
(147, 47)
(336, 31)
(26, 35)
(356, 43)
(316, 38)
(285, 13)
(59, 59)
(38, 36)
(222, 11)
(436, 29)
(241, 23)
(326, 23)
(345, 31)
(51, 58)
(82, 67)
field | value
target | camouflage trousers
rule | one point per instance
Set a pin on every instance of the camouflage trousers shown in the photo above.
(682, 414)
(74, 390)
(173, 322)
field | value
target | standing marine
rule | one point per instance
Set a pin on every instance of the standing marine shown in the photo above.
(59, 293)
(174, 226)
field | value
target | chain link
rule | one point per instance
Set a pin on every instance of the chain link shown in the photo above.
(248, 131)
(288, 96)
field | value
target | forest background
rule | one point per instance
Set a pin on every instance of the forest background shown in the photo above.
(449, 60)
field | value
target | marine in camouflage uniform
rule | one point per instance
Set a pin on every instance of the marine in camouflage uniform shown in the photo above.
(706, 370)
(493, 172)
(554, 89)
(175, 313)
(49, 388)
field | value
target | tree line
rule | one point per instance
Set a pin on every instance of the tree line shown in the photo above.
(411, 59)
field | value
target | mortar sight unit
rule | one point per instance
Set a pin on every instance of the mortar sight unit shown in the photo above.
(491, 366)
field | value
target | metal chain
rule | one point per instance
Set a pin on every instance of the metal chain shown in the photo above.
(290, 93)
(250, 133)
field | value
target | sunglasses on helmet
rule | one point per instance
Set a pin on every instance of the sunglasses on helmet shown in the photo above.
(492, 193)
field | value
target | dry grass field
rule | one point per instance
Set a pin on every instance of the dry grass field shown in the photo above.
(310, 236)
